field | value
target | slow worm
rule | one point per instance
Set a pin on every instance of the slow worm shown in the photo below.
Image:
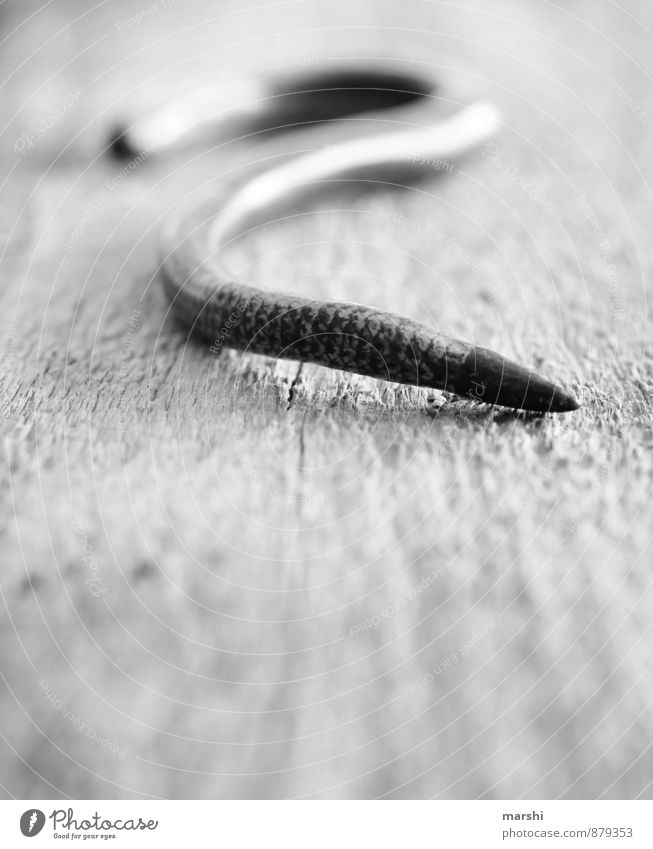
(208, 299)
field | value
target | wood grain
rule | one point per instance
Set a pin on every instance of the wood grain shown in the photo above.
(232, 577)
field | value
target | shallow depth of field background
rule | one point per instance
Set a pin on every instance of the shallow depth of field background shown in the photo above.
(230, 577)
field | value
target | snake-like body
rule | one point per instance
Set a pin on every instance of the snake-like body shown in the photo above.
(209, 300)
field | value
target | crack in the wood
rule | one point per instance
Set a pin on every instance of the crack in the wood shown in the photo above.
(293, 386)
(302, 443)
(300, 464)
(161, 381)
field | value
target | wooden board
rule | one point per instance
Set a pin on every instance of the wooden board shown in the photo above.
(232, 577)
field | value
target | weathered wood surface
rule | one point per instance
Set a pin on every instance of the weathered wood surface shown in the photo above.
(197, 551)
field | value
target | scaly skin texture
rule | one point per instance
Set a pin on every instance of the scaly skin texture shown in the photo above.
(339, 335)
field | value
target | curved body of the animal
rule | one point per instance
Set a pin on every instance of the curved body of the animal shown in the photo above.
(213, 303)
